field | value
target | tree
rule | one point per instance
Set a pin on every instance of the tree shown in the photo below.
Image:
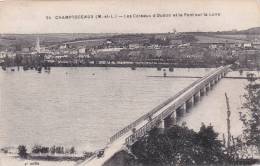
(251, 118)
(36, 149)
(72, 150)
(22, 151)
(153, 148)
(59, 149)
(179, 145)
(45, 149)
(212, 149)
(52, 149)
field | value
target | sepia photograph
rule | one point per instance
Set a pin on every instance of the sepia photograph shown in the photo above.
(129, 83)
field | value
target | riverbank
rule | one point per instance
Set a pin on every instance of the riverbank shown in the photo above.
(14, 160)
(39, 154)
(134, 64)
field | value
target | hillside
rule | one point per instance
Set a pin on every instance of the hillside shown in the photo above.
(255, 30)
(27, 40)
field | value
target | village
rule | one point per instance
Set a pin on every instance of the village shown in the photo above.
(140, 50)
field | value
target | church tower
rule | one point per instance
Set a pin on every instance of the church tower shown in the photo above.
(37, 46)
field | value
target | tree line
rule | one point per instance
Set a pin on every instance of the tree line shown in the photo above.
(38, 149)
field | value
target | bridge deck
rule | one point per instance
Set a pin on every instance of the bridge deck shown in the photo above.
(119, 143)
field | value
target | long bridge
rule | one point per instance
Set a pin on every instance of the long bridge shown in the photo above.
(164, 115)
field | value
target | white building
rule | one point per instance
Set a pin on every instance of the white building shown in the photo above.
(74, 52)
(247, 45)
(184, 45)
(109, 50)
(213, 46)
(4, 54)
(82, 50)
(84, 56)
(134, 46)
(61, 56)
(63, 46)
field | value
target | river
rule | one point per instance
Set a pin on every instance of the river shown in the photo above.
(83, 107)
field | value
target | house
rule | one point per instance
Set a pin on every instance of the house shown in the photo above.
(247, 45)
(212, 46)
(3, 54)
(61, 56)
(73, 52)
(184, 45)
(9, 54)
(134, 46)
(64, 46)
(84, 56)
(256, 44)
(154, 46)
(82, 50)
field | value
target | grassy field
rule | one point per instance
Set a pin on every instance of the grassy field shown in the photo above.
(218, 39)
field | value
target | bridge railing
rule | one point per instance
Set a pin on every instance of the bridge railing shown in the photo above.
(197, 88)
(148, 126)
(157, 108)
(207, 80)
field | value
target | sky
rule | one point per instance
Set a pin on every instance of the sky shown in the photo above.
(30, 16)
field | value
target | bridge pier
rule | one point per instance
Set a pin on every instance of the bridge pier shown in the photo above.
(219, 77)
(192, 100)
(190, 103)
(209, 86)
(170, 120)
(203, 91)
(213, 82)
(181, 111)
(161, 124)
(197, 97)
(184, 107)
(223, 74)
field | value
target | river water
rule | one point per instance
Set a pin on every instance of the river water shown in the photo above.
(83, 107)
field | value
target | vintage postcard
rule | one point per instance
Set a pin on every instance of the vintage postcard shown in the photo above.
(129, 83)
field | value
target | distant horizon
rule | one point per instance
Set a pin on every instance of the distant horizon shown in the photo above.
(231, 30)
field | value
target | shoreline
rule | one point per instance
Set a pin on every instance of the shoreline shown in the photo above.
(136, 65)
(140, 65)
(14, 160)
